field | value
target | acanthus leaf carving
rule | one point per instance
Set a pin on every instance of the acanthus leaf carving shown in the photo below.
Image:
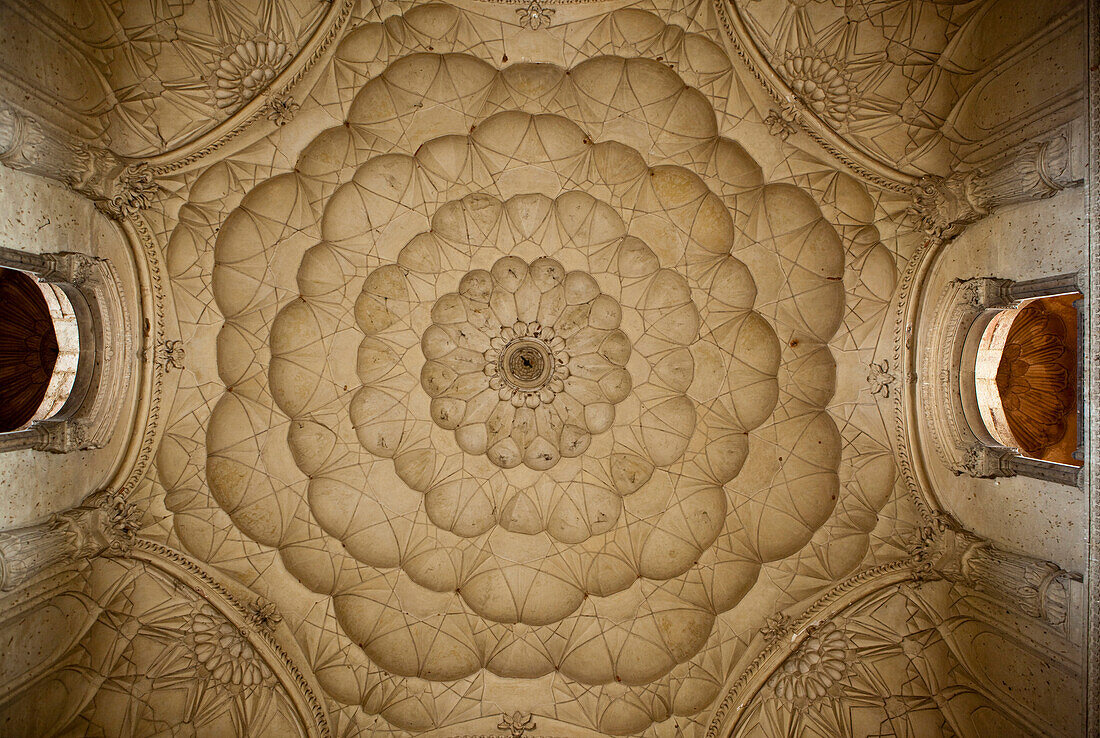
(1034, 587)
(118, 187)
(946, 205)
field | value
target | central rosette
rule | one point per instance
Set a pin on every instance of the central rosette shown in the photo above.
(525, 362)
(523, 366)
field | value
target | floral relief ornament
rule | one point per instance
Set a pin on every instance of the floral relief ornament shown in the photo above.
(534, 15)
(820, 84)
(781, 122)
(225, 652)
(281, 109)
(263, 615)
(880, 378)
(811, 671)
(248, 69)
(517, 724)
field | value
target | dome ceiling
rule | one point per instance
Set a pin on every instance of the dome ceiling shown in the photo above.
(535, 370)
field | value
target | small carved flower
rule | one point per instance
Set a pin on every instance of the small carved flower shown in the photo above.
(517, 724)
(810, 671)
(776, 627)
(534, 16)
(225, 652)
(820, 85)
(880, 378)
(247, 70)
(263, 615)
(281, 109)
(780, 123)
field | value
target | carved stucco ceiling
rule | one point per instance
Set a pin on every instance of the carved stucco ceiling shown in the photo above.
(523, 383)
(895, 78)
(128, 650)
(146, 76)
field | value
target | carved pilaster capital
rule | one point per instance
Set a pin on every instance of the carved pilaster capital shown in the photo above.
(118, 187)
(945, 550)
(122, 522)
(69, 266)
(984, 462)
(128, 192)
(946, 205)
(64, 436)
(109, 525)
(942, 207)
(982, 293)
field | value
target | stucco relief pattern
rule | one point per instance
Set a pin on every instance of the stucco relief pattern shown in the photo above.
(893, 77)
(125, 650)
(917, 659)
(162, 73)
(365, 287)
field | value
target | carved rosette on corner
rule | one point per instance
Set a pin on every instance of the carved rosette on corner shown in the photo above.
(118, 187)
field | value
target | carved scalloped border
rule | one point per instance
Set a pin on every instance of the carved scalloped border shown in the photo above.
(184, 569)
(184, 156)
(725, 716)
(864, 165)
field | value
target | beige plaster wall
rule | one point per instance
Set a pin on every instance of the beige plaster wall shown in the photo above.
(1027, 241)
(39, 215)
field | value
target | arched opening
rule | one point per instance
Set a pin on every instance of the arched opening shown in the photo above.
(1026, 378)
(39, 349)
